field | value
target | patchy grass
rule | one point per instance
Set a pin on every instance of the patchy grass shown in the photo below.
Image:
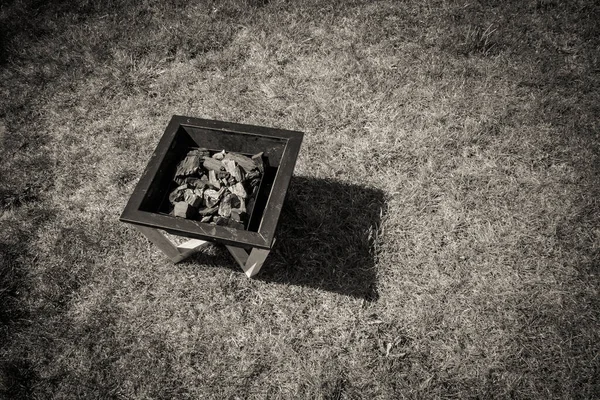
(441, 238)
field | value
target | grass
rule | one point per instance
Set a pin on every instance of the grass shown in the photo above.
(440, 240)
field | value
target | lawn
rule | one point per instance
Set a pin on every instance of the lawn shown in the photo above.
(440, 238)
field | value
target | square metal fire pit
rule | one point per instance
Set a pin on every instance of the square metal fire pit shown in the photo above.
(145, 208)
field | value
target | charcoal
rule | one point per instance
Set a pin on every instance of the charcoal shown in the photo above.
(192, 198)
(219, 156)
(238, 190)
(208, 211)
(177, 194)
(211, 197)
(237, 215)
(183, 210)
(189, 165)
(246, 163)
(236, 201)
(213, 165)
(199, 192)
(255, 174)
(219, 188)
(212, 178)
(225, 206)
(222, 175)
(234, 170)
(194, 182)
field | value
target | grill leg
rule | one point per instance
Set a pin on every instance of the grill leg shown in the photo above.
(251, 262)
(175, 252)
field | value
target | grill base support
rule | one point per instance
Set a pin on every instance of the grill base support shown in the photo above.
(250, 261)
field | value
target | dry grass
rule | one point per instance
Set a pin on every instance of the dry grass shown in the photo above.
(441, 239)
